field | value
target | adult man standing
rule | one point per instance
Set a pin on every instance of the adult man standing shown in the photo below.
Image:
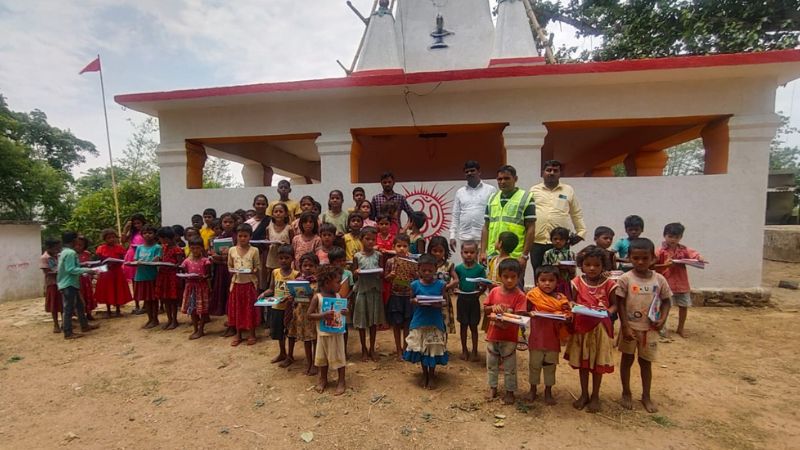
(556, 206)
(469, 207)
(509, 209)
(389, 195)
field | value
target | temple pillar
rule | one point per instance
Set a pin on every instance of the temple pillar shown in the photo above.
(334, 153)
(716, 142)
(524, 151)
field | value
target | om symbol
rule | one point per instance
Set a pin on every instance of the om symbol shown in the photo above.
(436, 207)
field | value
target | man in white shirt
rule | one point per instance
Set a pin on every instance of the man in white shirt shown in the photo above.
(469, 206)
(556, 206)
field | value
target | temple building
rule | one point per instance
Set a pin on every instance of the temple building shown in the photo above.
(436, 83)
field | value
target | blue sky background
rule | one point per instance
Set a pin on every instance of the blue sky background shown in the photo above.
(152, 45)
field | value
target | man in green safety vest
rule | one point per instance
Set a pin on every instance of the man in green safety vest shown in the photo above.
(510, 209)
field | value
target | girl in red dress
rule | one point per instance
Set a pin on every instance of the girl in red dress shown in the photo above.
(167, 290)
(112, 286)
(87, 290)
(244, 263)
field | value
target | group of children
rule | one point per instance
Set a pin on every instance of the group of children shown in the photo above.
(393, 278)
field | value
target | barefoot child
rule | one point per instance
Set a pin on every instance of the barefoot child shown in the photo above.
(167, 290)
(637, 291)
(112, 286)
(330, 352)
(368, 310)
(337, 258)
(676, 274)
(560, 252)
(400, 272)
(501, 339)
(49, 266)
(221, 276)
(278, 289)
(446, 271)
(132, 237)
(589, 347)
(244, 262)
(506, 243)
(87, 291)
(195, 291)
(468, 305)
(546, 335)
(144, 282)
(426, 343)
(300, 327)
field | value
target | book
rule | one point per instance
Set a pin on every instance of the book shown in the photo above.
(191, 276)
(430, 299)
(459, 291)
(654, 313)
(369, 271)
(113, 261)
(615, 274)
(481, 280)
(242, 271)
(338, 323)
(90, 263)
(221, 244)
(522, 321)
(567, 263)
(267, 302)
(554, 316)
(300, 290)
(589, 312)
(265, 242)
(101, 269)
(691, 263)
(156, 263)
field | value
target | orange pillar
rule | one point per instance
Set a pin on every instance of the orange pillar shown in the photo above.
(195, 161)
(716, 141)
(604, 171)
(646, 163)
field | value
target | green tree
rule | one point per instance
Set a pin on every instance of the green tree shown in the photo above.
(217, 174)
(785, 156)
(686, 159)
(36, 168)
(632, 29)
(139, 157)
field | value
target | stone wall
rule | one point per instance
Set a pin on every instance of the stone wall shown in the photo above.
(782, 243)
(758, 297)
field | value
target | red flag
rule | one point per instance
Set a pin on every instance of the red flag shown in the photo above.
(93, 66)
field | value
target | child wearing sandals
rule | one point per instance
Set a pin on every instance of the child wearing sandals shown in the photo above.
(300, 327)
(244, 262)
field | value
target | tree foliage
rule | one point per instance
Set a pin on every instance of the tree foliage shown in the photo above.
(686, 159)
(35, 171)
(217, 174)
(632, 29)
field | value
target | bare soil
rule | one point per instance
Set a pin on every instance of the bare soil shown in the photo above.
(734, 383)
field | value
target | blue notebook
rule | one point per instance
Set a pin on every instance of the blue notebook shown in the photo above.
(338, 322)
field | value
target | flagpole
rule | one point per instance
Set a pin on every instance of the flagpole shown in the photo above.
(110, 158)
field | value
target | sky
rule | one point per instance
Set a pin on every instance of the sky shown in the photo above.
(158, 45)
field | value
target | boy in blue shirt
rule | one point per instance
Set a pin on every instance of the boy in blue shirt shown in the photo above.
(68, 280)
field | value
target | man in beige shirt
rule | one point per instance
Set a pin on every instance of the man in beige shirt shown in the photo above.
(556, 206)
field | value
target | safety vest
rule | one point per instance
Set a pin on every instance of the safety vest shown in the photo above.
(510, 217)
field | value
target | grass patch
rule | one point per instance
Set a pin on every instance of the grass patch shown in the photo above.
(662, 420)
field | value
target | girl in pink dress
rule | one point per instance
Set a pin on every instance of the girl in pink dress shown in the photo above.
(132, 236)
(308, 240)
(195, 292)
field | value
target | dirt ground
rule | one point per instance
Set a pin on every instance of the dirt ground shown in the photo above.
(733, 384)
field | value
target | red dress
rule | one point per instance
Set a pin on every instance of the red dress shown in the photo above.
(87, 290)
(112, 286)
(385, 245)
(195, 295)
(167, 286)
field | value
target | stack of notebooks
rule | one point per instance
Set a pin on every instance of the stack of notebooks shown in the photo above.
(523, 321)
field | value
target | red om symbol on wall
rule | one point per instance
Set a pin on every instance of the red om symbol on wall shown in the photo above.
(436, 207)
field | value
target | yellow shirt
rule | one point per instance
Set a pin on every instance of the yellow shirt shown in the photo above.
(352, 245)
(205, 233)
(291, 205)
(556, 208)
(249, 261)
(280, 286)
